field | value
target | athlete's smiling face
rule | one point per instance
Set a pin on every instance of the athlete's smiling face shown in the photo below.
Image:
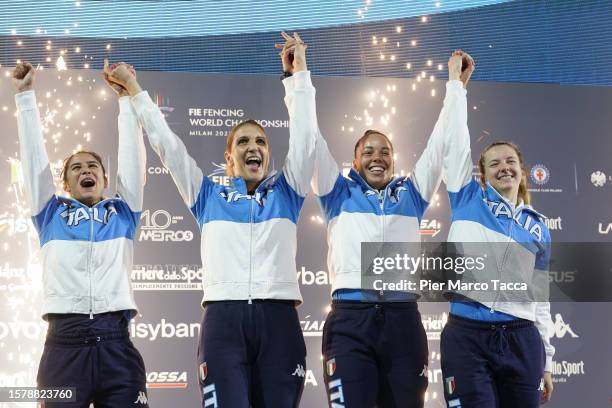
(502, 169)
(84, 179)
(374, 160)
(249, 157)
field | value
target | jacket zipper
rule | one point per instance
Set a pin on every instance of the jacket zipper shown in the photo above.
(251, 249)
(91, 233)
(504, 258)
(381, 202)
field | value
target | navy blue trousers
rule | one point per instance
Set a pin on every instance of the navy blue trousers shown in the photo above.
(492, 364)
(251, 355)
(375, 355)
(97, 357)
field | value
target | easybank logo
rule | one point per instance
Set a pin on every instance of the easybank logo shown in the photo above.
(164, 330)
(167, 379)
(23, 330)
(307, 278)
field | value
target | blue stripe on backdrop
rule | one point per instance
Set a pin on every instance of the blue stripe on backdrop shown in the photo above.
(179, 18)
(521, 41)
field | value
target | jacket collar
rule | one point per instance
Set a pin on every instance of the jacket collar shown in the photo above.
(356, 177)
(240, 184)
(493, 195)
(71, 202)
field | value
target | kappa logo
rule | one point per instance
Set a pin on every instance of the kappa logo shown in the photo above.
(142, 398)
(598, 178)
(209, 395)
(449, 385)
(336, 395)
(299, 371)
(539, 174)
(331, 367)
(562, 328)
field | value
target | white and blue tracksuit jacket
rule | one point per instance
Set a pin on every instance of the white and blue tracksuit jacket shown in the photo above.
(356, 213)
(248, 242)
(483, 216)
(86, 252)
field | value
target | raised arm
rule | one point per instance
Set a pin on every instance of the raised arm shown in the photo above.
(326, 171)
(172, 151)
(131, 167)
(543, 320)
(38, 179)
(458, 156)
(303, 127)
(428, 169)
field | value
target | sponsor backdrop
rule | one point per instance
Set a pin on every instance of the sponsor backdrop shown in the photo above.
(563, 131)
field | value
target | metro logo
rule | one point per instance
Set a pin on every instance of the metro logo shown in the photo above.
(155, 227)
(165, 236)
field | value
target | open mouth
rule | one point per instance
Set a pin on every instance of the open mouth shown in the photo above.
(87, 182)
(377, 170)
(505, 177)
(253, 163)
